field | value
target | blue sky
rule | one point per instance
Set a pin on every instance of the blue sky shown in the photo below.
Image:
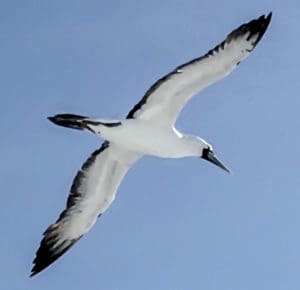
(175, 224)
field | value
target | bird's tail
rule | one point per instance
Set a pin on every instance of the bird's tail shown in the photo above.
(70, 121)
(81, 122)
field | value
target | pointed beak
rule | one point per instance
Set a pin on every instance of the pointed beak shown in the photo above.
(210, 156)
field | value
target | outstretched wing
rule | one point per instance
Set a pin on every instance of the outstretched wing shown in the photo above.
(165, 98)
(92, 191)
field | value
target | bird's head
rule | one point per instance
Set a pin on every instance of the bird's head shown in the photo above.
(199, 147)
(209, 155)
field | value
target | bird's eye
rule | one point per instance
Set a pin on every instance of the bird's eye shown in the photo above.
(205, 152)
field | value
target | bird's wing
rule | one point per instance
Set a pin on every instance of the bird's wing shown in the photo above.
(165, 98)
(92, 192)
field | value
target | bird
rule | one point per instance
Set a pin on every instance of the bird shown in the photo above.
(148, 129)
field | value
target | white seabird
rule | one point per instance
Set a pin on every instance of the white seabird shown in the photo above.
(147, 130)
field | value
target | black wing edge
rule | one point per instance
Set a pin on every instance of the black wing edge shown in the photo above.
(49, 251)
(51, 248)
(255, 26)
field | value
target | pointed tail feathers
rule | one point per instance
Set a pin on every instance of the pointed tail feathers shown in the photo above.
(82, 122)
(70, 121)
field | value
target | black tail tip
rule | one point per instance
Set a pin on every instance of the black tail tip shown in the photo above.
(56, 119)
(59, 117)
(68, 120)
(51, 118)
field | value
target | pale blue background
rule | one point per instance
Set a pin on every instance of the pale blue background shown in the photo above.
(176, 224)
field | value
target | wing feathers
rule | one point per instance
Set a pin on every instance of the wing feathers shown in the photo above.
(51, 248)
(94, 186)
(92, 191)
(165, 98)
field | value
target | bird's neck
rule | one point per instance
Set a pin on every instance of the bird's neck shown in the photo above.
(193, 145)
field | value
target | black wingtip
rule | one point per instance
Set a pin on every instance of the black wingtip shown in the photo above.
(261, 25)
(254, 29)
(268, 18)
(51, 248)
(258, 26)
(45, 256)
(265, 19)
(34, 272)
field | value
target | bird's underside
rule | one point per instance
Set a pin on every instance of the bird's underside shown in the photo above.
(95, 184)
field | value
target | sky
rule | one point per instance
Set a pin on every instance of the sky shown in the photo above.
(175, 224)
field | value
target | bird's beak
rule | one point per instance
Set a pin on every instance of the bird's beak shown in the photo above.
(210, 156)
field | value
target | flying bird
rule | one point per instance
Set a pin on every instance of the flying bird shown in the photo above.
(148, 129)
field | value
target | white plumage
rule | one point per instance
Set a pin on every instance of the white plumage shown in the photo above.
(147, 129)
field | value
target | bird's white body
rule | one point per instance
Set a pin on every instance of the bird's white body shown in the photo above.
(147, 130)
(151, 138)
